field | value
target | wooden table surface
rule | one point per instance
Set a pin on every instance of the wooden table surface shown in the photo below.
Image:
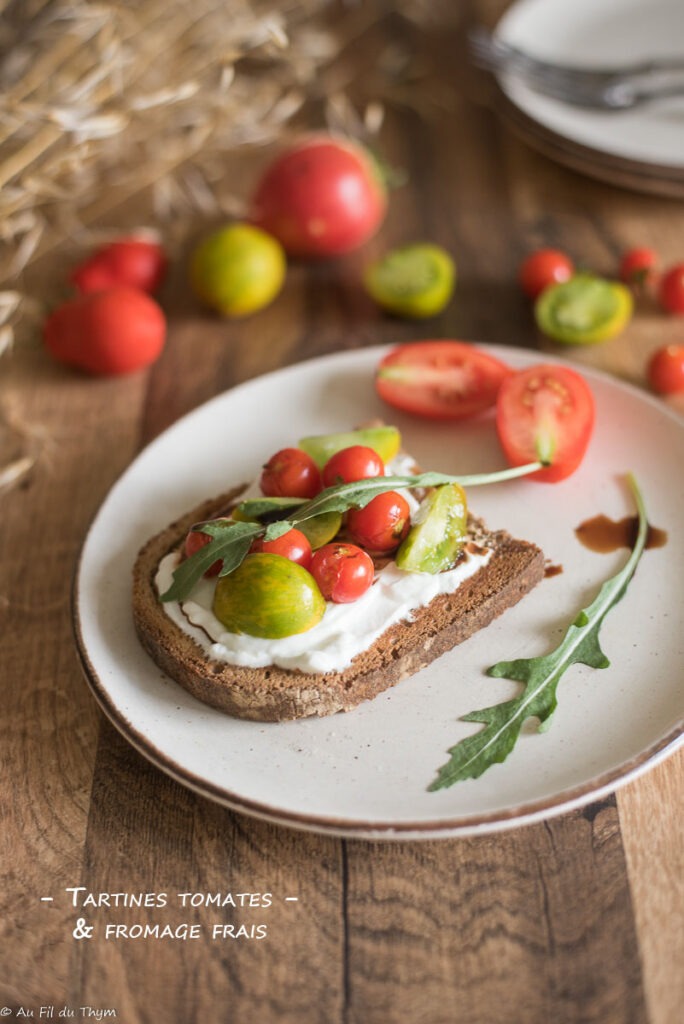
(578, 918)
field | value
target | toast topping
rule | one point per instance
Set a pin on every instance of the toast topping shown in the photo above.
(344, 631)
(401, 541)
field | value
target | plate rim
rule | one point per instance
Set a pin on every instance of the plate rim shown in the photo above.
(561, 802)
(641, 174)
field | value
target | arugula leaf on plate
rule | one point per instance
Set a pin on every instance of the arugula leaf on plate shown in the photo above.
(541, 675)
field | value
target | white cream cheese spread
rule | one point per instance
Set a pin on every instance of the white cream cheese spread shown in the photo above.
(345, 630)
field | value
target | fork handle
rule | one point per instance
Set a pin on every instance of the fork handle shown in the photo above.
(655, 83)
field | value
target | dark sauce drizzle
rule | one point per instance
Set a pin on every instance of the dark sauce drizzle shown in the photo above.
(605, 535)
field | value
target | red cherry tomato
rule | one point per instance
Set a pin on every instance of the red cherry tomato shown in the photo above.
(545, 412)
(107, 333)
(322, 197)
(354, 463)
(671, 292)
(194, 541)
(381, 525)
(292, 545)
(440, 379)
(290, 473)
(542, 268)
(638, 267)
(128, 261)
(666, 370)
(343, 572)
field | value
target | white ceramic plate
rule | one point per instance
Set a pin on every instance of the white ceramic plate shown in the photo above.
(367, 772)
(596, 33)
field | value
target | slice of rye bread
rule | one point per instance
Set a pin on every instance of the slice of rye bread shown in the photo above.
(274, 694)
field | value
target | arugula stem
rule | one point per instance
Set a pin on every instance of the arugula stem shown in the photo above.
(351, 494)
(473, 755)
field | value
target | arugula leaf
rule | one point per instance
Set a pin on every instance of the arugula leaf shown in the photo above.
(268, 509)
(231, 542)
(232, 539)
(541, 675)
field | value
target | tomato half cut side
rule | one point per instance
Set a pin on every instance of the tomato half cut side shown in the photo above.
(584, 310)
(447, 380)
(545, 412)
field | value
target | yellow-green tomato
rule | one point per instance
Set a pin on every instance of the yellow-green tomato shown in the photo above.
(584, 310)
(268, 596)
(414, 281)
(384, 439)
(237, 270)
(318, 530)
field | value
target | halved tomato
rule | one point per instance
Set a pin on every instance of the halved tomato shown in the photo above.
(584, 310)
(447, 380)
(545, 412)
(412, 281)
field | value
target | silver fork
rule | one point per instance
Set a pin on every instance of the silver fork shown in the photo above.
(598, 88)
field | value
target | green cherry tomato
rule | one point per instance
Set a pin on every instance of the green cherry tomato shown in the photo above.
(385, 440)
(268, 596)
(414, 281)
(237, 270)
(584, 310)
(318, 530)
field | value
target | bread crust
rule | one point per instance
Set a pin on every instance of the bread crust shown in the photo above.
(274, 694)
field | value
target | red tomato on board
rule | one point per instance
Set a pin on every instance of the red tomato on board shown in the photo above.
(542, 268)
(666, 370)
(128, 261)
(322, 197)
(638, 267)
(107, 333)
(343, 572)
(671, 292)
(545, 412)
(381, 525)
(290, 473)
(447, 380)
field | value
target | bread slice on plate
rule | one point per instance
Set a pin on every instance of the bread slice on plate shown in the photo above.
(273, 693)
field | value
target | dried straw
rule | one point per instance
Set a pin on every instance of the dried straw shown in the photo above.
(102, 100)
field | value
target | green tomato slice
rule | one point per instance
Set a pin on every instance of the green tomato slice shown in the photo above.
(385, 440)
(584, 310)
(437, 532)
(414, 281)
(318, 530)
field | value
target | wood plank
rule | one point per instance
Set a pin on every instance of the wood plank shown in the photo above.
(652, 825)
(532, 925)
(49, 726)
(148, 833)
